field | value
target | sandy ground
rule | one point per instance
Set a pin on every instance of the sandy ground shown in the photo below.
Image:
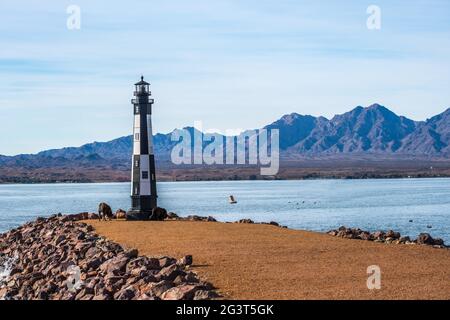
(266, 262)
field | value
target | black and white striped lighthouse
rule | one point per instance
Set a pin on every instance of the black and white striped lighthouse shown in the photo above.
(143, 174)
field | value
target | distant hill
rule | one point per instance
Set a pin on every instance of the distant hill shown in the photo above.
(373, 132)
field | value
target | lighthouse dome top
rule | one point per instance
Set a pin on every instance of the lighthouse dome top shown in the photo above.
(142, 88)
(141, 82)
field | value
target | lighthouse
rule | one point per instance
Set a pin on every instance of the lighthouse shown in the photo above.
(143, 175)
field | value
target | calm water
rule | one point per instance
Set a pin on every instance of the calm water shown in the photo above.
(313, 205)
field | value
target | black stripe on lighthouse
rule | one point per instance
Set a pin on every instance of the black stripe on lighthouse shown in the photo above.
(152, 176)
(136, 174)
(144, 130)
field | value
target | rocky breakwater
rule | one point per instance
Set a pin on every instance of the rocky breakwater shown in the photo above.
(389, 237)
(61, 258)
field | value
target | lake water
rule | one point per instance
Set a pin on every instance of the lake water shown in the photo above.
(317, 205)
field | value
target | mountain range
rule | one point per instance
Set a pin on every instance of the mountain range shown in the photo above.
(372, 132)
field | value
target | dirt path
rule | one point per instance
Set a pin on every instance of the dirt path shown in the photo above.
(266, 262)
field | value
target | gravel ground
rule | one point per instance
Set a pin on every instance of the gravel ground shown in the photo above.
(246, 261)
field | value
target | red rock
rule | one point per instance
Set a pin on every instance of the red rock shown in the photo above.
(183, 292)
(158, 214)
(102, 297)
(245, 221)
(204, 295)
(157, 288)
(145, 297)
(170, 272)
(93, 216)
(425, 238)
(3, 292)
(166, 261)
(115, 265)
(120, 214)
(185, 261)
(59, 239)
(392, 234)
(379, 235)
(145, 262)
(125, 294)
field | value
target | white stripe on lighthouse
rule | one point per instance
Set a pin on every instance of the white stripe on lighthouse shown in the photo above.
(145, 183)
(137, 134)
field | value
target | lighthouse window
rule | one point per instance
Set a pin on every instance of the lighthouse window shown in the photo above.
(136, 136)
(144, 174)
(136, 109)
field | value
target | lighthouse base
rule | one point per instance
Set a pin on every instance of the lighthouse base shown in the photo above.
(138, 215)
(142, 207)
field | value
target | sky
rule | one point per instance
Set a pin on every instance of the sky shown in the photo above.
(232, 64)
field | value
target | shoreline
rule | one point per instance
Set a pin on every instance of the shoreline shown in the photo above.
(229, 180)
(288, 170)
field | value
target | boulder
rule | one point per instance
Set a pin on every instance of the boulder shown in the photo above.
(182, 292)
(425, 238)
(365, 236)
(60, 238)
(143, 262)
(158, 214)
(116, 265)
(245, 221)
(379, 235)
(93, 216)
(83, 216)
(120, 214)
(194, 218)
(392, 234)
(191, 277)
(105, 211)
(127, 293)
(102, 296)
(185, 261)
(404, 239)
(166, 261)
(172, 216)
(205, 295)
(156, 289)
(93, 264)
(389, 240)
(170, 272)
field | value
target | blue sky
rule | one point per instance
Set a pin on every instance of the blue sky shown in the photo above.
(231, 64)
